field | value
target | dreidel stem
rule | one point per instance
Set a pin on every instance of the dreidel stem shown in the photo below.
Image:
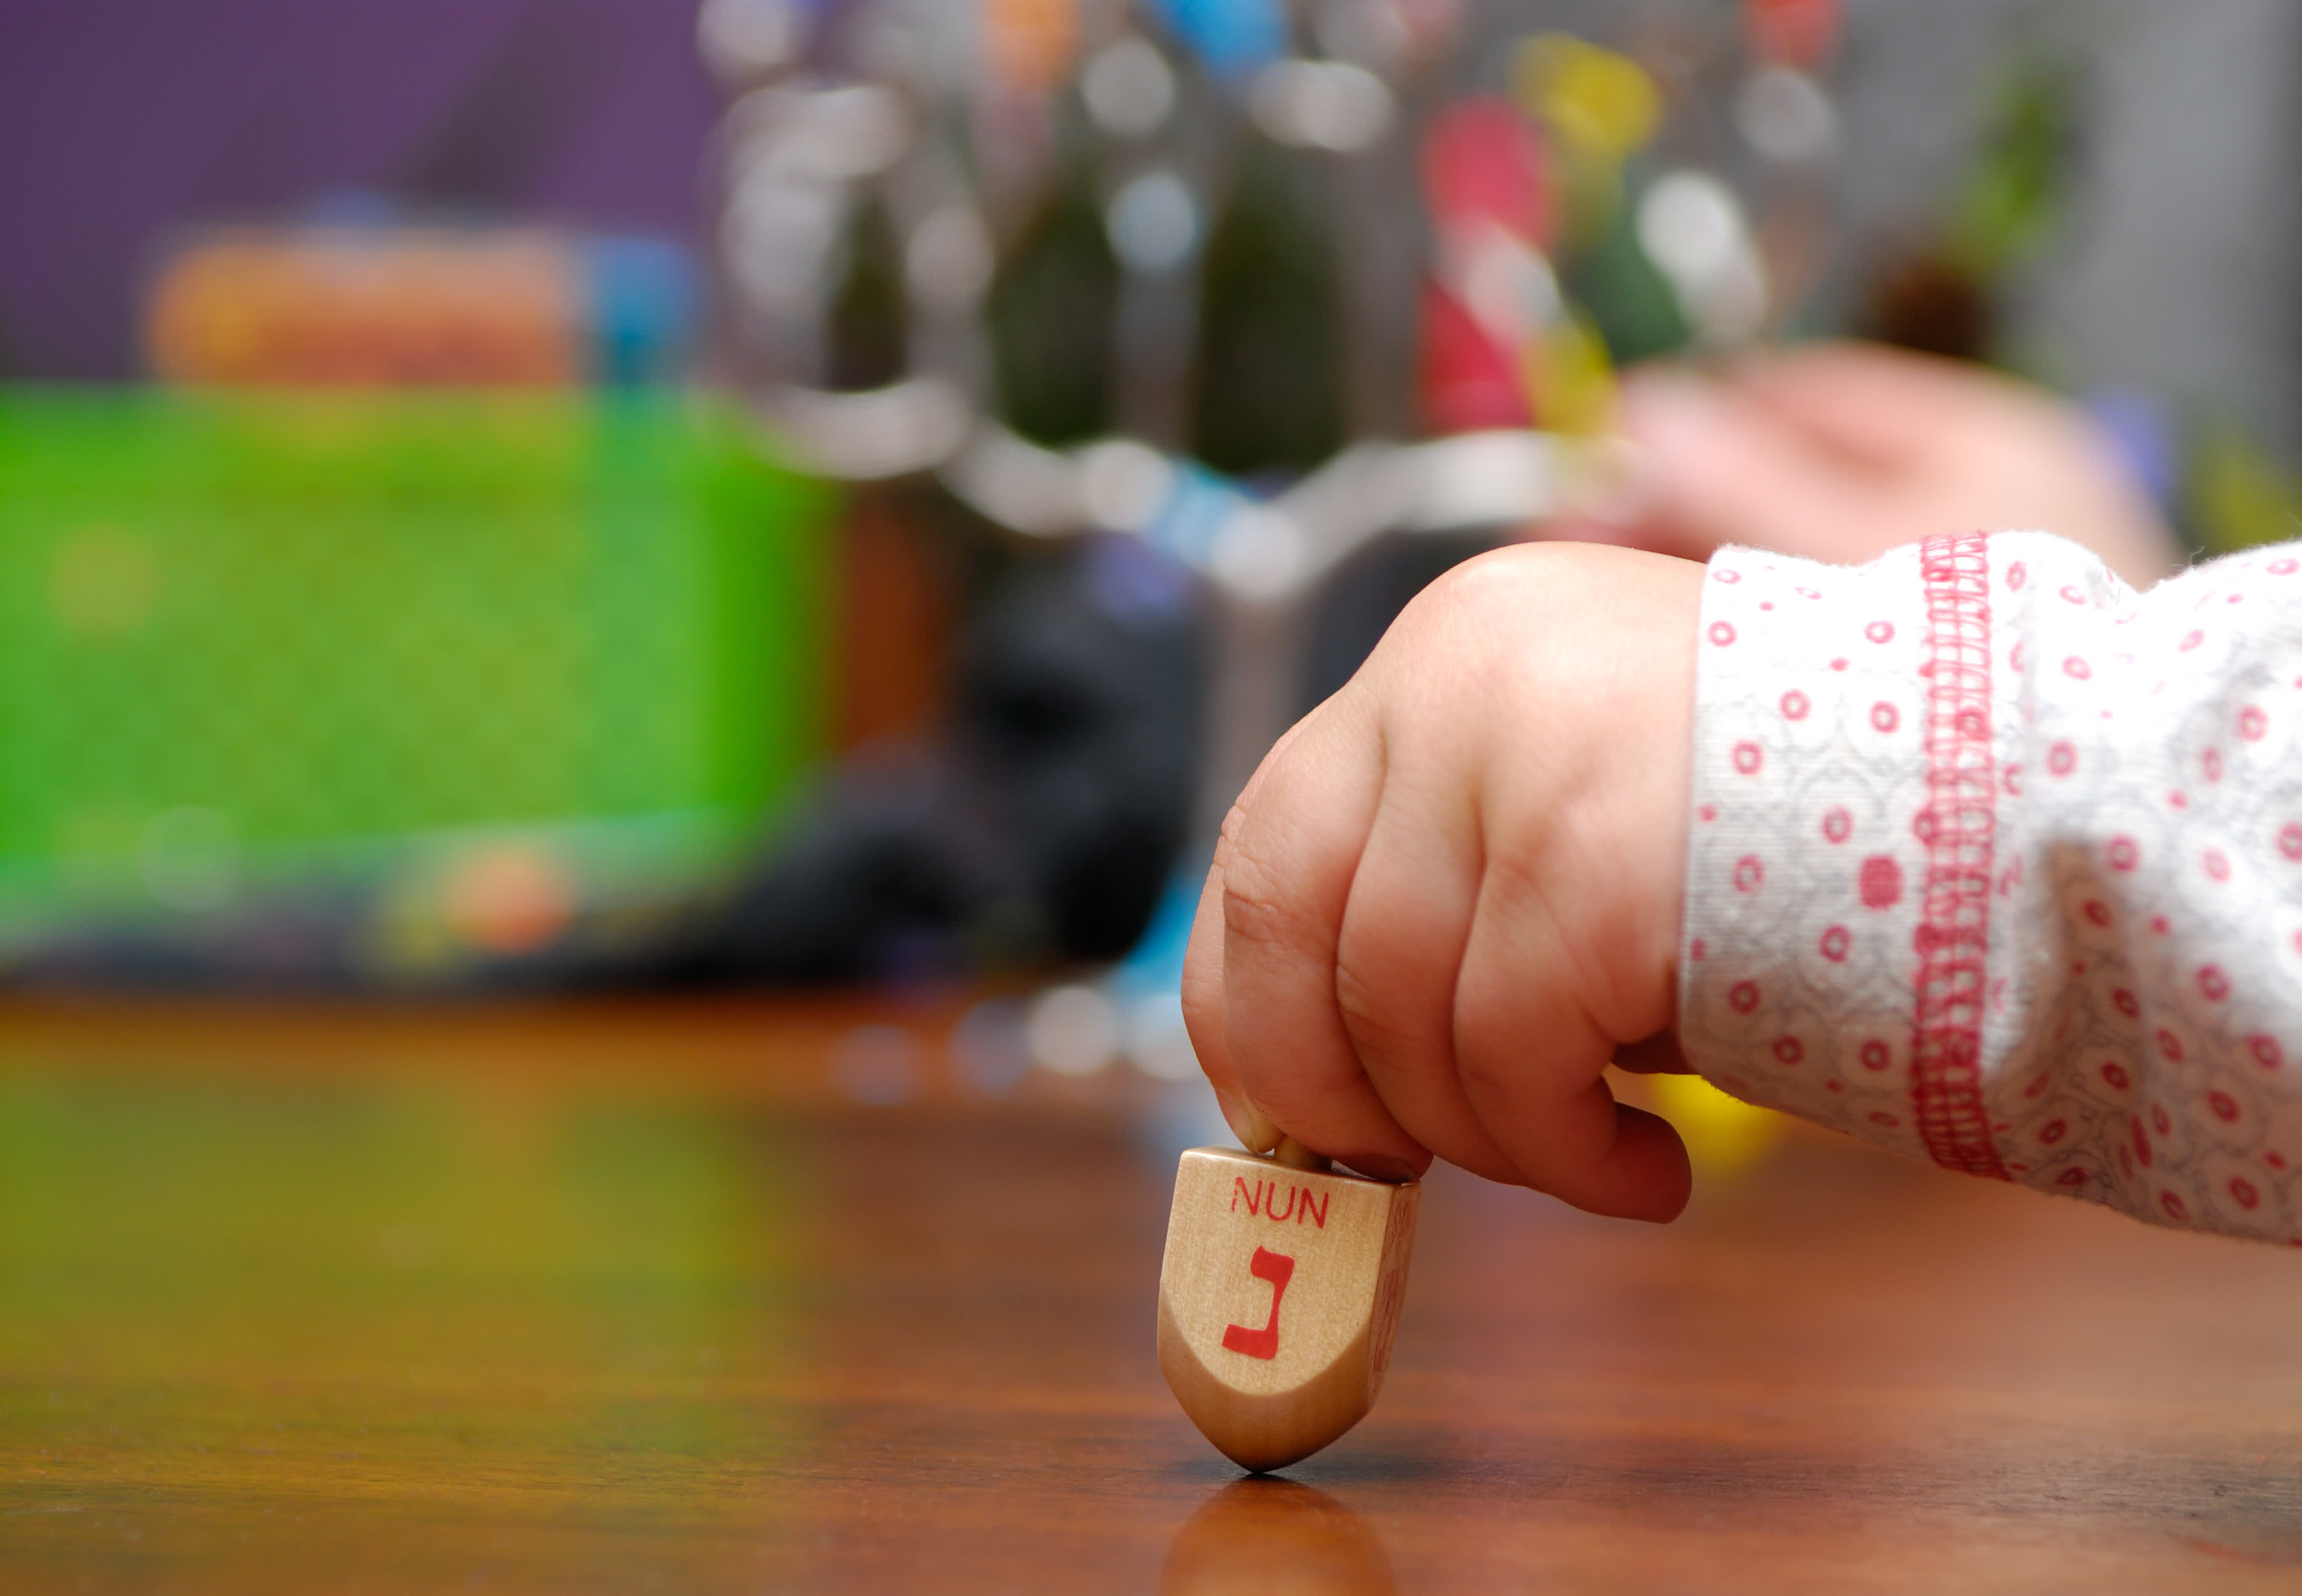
(1294, 1154)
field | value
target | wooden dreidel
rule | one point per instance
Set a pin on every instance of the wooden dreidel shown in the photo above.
(1278, 1298)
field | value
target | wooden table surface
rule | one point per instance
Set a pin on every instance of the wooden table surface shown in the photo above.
(639, 1298)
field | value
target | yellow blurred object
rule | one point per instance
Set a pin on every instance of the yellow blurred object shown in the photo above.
(1573, 378)
(1598, 103)
(1724, 1134)
(2239, 498)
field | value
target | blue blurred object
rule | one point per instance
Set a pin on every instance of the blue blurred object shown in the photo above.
(1234, 38)
(1197, 506)
(646, 303)
(1133, 583)
(2140, 430)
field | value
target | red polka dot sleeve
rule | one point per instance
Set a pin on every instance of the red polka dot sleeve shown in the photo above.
(1996, 864)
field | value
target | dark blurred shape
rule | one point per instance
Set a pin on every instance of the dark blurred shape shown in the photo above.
(1084, 716)
(1041, 825)
(1927, 301)
(1053, 315)
(1273, 1537)
(869, 317)
(515, 113)
(1267, 386)
(1940, 298)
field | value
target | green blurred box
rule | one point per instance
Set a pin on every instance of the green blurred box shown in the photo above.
(262, 634)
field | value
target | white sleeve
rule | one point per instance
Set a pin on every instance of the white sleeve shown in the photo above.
(1995, 862)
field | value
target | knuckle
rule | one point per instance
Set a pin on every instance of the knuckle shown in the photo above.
(1488, 1082)
(1452, 602)
(1370, 1011)
(1471, 583)
(1259, 907)
(1497, 579)
(1516, 877)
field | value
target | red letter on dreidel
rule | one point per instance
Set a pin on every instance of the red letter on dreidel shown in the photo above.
(1278, 1269)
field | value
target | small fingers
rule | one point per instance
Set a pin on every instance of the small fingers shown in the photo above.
(1293, 848)
(1203, 985)
(1531, 1063)
(1202, 976)
(1401, 944)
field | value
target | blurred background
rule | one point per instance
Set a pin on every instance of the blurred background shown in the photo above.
(551, 495)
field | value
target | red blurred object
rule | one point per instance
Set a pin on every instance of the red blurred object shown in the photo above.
(1797, 33)
(1470, 383)
(1483, 162)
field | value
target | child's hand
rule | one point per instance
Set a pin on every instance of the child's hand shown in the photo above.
(1452, 893)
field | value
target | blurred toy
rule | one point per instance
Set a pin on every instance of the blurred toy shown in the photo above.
(382, 304)
(1493, 297)
(578, 653)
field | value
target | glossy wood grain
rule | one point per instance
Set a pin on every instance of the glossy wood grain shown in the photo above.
(636, 1297)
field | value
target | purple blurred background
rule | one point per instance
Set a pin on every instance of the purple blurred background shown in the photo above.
(119, 117)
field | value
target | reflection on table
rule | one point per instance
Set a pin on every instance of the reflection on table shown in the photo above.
(620, 1298)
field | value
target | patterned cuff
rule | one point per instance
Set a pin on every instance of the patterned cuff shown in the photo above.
(1821, 693)
(1997, 864)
